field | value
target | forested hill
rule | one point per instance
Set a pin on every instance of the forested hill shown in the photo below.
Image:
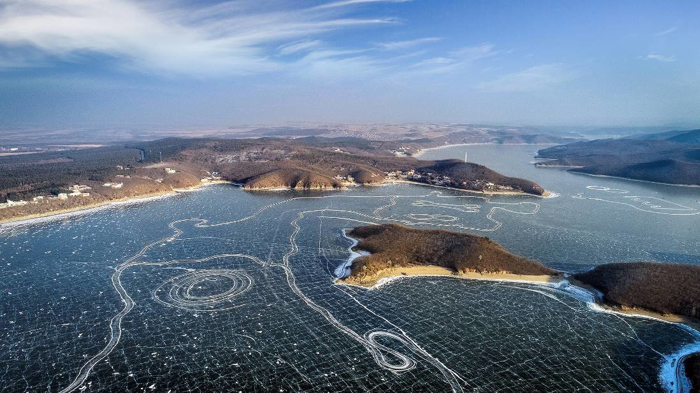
(265, 163)
(395, 246)
(670, 157)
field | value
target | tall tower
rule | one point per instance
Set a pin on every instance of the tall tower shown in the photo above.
(465, 157)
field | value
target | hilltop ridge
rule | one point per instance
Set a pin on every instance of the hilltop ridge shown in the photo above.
(669, 157)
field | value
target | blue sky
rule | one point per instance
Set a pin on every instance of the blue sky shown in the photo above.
(189, 63)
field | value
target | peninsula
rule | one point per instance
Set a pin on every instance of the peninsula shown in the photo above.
(67, 179)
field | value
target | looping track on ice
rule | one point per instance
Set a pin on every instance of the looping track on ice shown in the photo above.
(176, 291)
(646, 204)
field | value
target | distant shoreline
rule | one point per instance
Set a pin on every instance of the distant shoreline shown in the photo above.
(65, 213)
(421, 151)
(91, 208)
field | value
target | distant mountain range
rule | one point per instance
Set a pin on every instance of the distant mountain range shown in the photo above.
(691, 137)
(417, 135)
(669, 157)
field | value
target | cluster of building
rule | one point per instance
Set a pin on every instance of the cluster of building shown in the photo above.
(211, 177)
(402, 152)
(10, 203)
(77, 190)
(345, 179)
(113, 185)
(169, 171)
(446, 181)
(403, 175)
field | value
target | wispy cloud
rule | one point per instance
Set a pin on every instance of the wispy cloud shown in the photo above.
(300, 46)
(473, 53)
(331, 65)
(456, 59)
(658, 57)
(344, 3)
(402, 45)
(234, 37)
(536, 78)
(667, 31)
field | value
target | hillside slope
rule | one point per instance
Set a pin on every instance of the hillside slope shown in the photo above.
(670, 157)
(393, 246)
(661, 287)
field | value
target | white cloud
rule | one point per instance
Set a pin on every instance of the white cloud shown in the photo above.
(331, 65)
(456, 59)
(300, 46)
(536, 78)
(658, 57)
(344, 3)
(667, 31)
(401, 45)
(152, 36)
(474, 53)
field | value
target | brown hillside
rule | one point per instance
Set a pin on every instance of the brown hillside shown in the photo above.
(398, 246)
(364, 176)
(661, 287)
(292, 179)
(475, 177)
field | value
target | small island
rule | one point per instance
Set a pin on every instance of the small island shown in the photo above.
(661, 290)
(398, 250)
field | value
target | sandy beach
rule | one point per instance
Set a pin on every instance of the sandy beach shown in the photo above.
(431, 271)
(388, 275)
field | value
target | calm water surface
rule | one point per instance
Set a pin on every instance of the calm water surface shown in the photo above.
(232, 291)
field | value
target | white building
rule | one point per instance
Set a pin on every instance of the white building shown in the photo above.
(79, 187)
